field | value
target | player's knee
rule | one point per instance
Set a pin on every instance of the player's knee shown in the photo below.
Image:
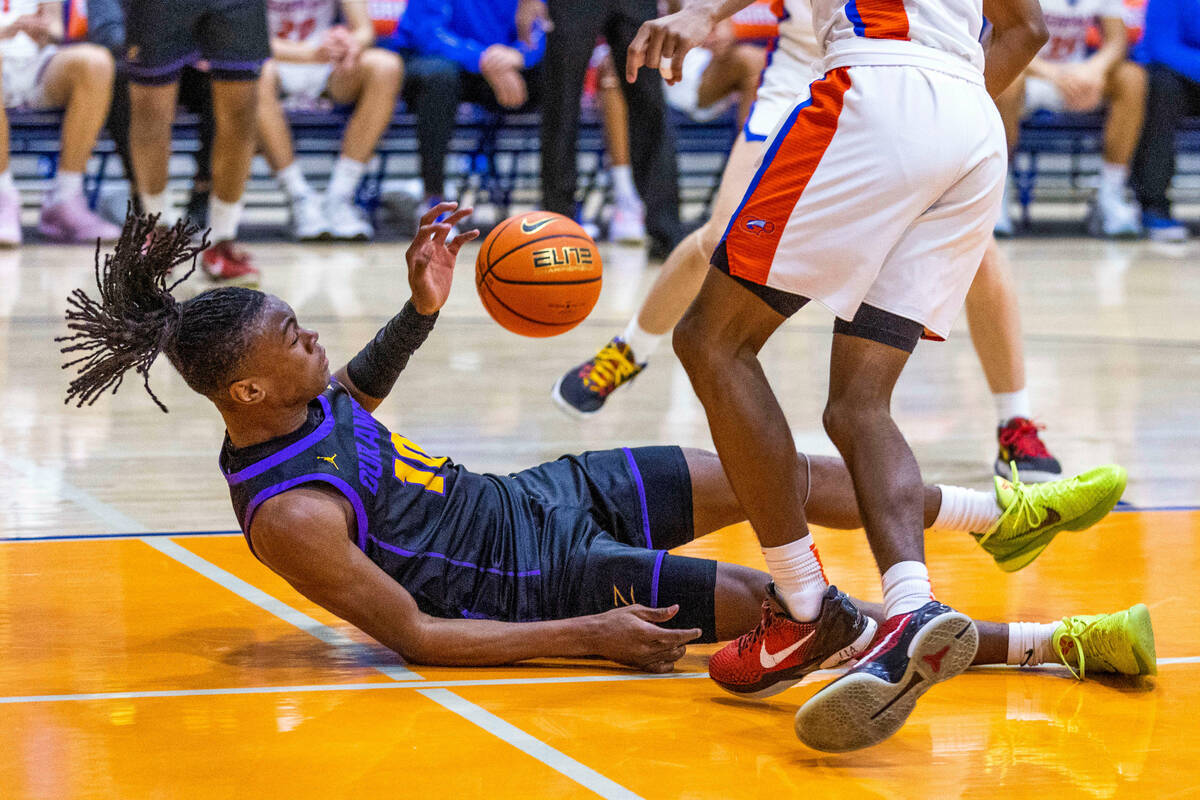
(383, 68)
(841, 418)
(693, 343)
(91, 66)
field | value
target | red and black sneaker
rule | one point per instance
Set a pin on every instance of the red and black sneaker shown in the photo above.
(778, 653)
(870, 702)
(229, 264)
(1021, 445)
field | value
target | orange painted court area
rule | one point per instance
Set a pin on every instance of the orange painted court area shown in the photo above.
(126, 672)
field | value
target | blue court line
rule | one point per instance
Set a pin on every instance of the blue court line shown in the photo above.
(68, 537)
(1123, 507)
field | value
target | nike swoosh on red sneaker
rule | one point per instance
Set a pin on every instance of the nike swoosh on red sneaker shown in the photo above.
(772, 660)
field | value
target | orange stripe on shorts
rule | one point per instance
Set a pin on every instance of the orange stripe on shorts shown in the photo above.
(754, 234)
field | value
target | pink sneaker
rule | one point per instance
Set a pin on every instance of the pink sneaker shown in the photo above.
(10, 218)
(71, 220)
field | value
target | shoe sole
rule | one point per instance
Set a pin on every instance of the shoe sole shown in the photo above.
(861, 709)
(1087, 519)
(1027, 476)
(564, 406)
(793, 676)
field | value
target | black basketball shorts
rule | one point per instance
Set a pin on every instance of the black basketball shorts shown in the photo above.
(164, 36)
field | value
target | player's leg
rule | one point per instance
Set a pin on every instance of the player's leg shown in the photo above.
(151, 112)
(373, 86)
(275, 136)
(1125, 91)
(628, 222)
(583, 389)
(1011, 104)
(234, 106)
(994, 320)
(736, 70)
(1170, 97)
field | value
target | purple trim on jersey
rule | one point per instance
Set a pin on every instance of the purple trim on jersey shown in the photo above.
(400, 551)
(860, 27)
(654, 579)
(292, 450)
(641, 490)
(780, 135)
(237, 66)
(360, 512)
(140, 71)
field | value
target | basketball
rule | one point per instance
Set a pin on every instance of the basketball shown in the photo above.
(538, 273)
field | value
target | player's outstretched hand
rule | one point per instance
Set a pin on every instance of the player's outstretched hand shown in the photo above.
(431, 258)
(667, 39)
(632, 635)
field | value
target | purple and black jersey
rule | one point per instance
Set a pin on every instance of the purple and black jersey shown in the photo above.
(575, 536)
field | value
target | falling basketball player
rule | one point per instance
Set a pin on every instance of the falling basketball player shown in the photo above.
(876, 196)
(446, 566)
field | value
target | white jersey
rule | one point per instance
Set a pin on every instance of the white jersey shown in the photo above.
(796, 32)
(1068, 22)
(19, 48)
(940, 34)
(300, 20)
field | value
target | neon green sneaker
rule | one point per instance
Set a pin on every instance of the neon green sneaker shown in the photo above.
(1034, 514)
(1122, 643)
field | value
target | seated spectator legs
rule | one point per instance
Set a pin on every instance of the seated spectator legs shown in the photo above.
(79, 80)
(1011, 104)
(1125, 92)
(1171, 96)
(628, 215)
(275, 135)
(10, 198)
(372, 85)
(433, 92)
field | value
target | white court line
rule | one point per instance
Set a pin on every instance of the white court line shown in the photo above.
(270, 604)
(341, 687)
(585, 776)
(508, 733)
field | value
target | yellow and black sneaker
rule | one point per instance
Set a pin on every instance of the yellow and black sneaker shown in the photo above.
(582, 391)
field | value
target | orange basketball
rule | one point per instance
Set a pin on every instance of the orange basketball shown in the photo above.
(538, 274)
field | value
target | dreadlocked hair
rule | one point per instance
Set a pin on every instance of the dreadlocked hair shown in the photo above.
(136, 317)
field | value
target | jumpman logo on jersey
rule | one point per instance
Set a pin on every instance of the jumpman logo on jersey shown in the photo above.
(331, 460)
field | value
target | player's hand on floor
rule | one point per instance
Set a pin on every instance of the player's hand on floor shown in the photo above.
(662, 43)
(633, 635)
(431, 258)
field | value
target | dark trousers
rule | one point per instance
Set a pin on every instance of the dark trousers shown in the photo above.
(1171, 97)
(577, 24)
(433, 88)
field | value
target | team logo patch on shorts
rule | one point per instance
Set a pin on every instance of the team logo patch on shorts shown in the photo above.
(760, 226)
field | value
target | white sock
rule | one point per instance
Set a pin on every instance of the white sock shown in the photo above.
(624, 192)
(966, 510)
(1112, 180)
(223, 219)
(292, 179)
(642, 342)
(1012, 404)
(66, 185)
(799, 579)
(6, 181)
(905, 588)
(346, 174)
(1029, 643)
(153, 203)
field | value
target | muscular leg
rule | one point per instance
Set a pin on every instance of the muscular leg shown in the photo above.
(1126, 93)
(994, 320)
(831, 502)
(234, 105)
(152, 110)
(373, 87)
(887, 480)
(718, 341)
(683, 272)
(79, 79)
(273, 129)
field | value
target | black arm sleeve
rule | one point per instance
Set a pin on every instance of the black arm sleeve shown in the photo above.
(377, 366)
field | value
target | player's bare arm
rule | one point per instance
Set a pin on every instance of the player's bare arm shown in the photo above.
(670, 38)
(303, 535)
(430, 260)
(1018, 33)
